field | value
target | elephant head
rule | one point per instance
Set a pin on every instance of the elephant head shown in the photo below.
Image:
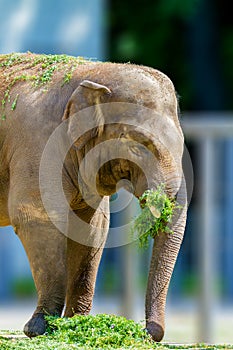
(117, 138)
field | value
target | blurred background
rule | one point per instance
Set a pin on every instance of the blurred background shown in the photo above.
(192, 42)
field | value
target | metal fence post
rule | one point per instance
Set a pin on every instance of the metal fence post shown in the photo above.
(228, 242)
(206, 240)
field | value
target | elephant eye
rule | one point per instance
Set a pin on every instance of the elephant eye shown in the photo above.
(138, 150)
(124, 137)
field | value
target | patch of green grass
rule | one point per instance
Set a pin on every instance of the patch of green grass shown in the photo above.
(92, 332)
(156, 215)
(100, 331)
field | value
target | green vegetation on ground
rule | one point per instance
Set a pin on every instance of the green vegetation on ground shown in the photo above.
(92, 332)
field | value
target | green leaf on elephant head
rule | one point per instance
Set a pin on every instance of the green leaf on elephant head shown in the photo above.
(14, 103)
(39, 69)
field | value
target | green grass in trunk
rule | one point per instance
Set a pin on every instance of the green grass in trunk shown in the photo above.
(156, 215)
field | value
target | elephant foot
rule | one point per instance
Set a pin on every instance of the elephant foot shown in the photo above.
(35, 326)
(155, 330)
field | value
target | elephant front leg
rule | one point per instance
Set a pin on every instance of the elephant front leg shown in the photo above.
(84, 252)
(45, 248)
(82, 264)
(165, 250)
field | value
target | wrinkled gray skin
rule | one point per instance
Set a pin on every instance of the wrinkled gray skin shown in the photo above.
(65, 271)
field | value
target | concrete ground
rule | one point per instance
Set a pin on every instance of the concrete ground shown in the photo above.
(181, 321)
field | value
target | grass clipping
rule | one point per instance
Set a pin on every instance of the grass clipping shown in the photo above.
(34, 68)
(100, 331)
(92, 332)
(156, 215)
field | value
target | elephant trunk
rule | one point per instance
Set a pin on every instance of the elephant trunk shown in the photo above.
(165, 250)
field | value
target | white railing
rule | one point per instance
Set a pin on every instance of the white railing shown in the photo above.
(204, 129)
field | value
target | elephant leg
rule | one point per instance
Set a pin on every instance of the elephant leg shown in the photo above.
(45, 248)
(83, 261)
(165, 250)
(82, 265)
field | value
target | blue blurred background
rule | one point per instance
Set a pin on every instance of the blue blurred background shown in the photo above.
(192, 42)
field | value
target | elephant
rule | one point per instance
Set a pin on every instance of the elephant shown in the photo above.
(120, 128)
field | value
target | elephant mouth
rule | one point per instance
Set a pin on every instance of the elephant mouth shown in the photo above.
(120, 173)
(110, 174)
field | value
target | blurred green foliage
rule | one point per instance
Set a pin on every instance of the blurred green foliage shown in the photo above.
(23, 287)
(190, 41)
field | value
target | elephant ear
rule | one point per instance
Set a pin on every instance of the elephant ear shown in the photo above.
(86, 95)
